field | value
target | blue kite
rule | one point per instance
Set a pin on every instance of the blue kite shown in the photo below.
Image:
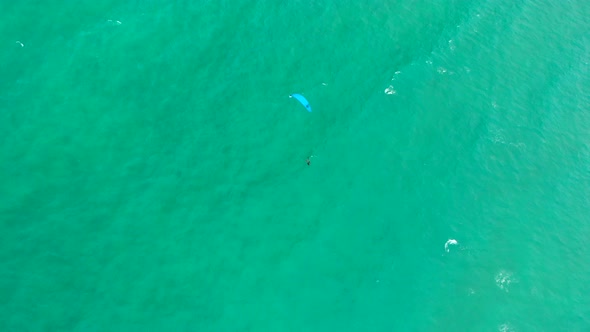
(302, 100)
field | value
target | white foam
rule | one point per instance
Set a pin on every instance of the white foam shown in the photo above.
(497, 137)
(449, 242)
(506, 327)
(21, 44)
(504, 279)
(390, 90)
(451, 45)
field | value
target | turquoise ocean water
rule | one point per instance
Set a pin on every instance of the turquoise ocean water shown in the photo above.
(153, 168)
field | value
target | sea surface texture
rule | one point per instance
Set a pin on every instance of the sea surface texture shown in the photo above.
(154, 177)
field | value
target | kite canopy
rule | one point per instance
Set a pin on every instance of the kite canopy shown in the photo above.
(302, 100)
